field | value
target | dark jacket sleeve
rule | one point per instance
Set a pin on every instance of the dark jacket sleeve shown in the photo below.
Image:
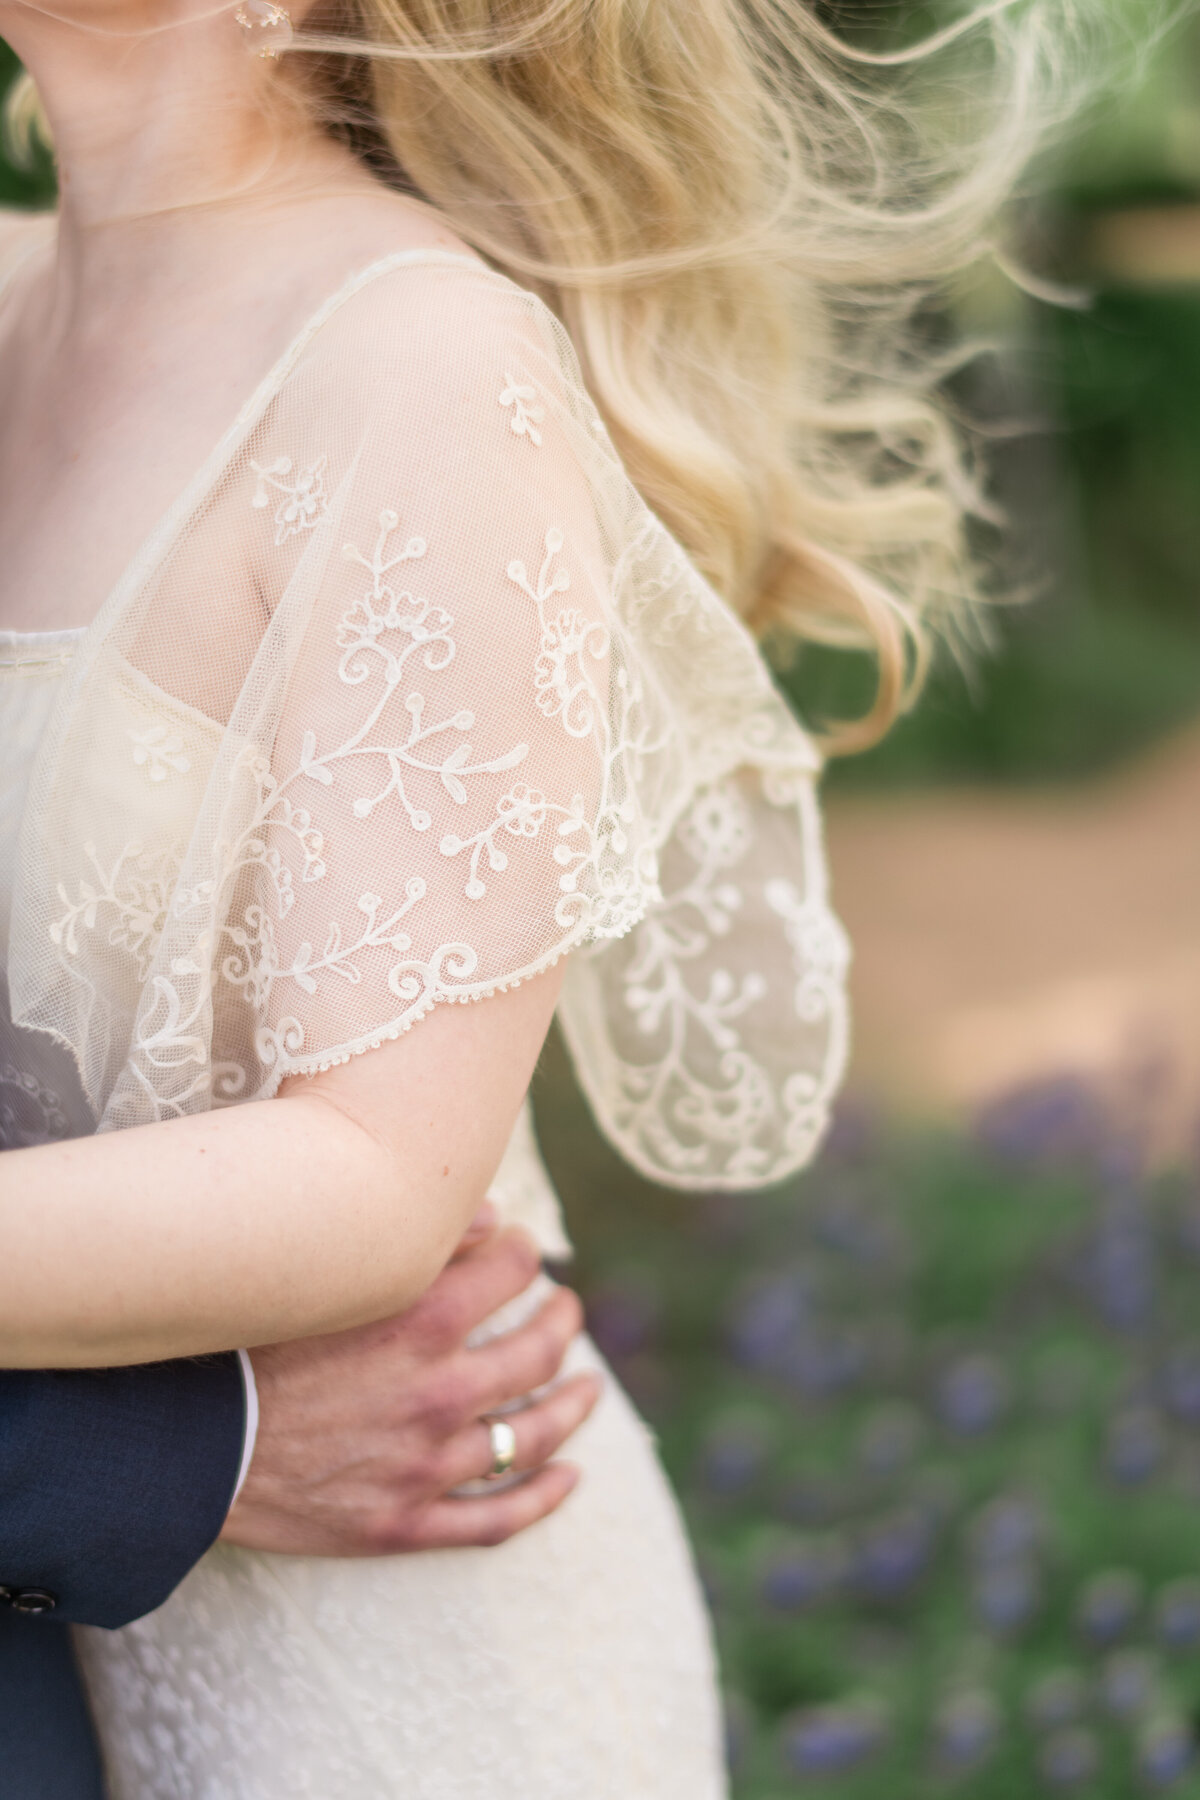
(113, 1483)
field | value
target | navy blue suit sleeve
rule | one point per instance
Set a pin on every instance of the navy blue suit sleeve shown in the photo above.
(114, 1482)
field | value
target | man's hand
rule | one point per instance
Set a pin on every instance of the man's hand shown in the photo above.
(362, 1435)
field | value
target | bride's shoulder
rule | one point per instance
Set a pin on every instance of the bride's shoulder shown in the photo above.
(422, 299)
(430, 345)
(427, 351)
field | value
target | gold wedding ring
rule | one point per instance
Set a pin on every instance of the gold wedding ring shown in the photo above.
(504, 1448)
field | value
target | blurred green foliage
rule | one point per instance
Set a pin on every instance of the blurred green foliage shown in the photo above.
(20, 186)
(1101, 486)
(1104, 528)
(934, 1415)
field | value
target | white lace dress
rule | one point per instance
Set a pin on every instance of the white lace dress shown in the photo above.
(574, 1661)
(407, 697)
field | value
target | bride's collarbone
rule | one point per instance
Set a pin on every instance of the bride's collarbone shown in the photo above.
(82, 489)
(99, 440)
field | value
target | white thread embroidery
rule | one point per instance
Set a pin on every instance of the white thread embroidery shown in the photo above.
(564, 685)
(387, 635)
(136, 888)
(420, 627)
(710, 1102)
(158, 750)
(304, 501)
(565, 688)
(525, 418)
(704, 1104)
(715, 833)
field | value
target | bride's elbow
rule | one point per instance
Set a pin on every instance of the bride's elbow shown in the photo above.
(380, 1229)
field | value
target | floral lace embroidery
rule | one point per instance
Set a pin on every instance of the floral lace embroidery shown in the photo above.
(136, 889)
(304, 500)
(703, 1105)
(565, 689)
(715, 832)
(668, 588)
(525, 418)
(384, 633)
(708, 1038)
(426, 628)
(158, 750)
(821, 956)
(564, 685)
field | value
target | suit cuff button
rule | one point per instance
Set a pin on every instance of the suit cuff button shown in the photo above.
(32, 1600)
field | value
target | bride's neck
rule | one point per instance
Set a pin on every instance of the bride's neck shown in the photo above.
(164, 123)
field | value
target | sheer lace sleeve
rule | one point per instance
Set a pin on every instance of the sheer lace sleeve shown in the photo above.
(449, 801)
(412, 697)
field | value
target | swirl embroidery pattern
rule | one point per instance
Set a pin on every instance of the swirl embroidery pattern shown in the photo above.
(387, 635)
(508, 719)
(703, 1105)
(566, 690)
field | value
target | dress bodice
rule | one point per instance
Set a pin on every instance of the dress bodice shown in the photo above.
(159, 746)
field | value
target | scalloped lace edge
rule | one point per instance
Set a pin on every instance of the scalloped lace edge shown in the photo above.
(317, 1062)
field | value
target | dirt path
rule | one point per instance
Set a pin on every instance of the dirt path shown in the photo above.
(1001, 937)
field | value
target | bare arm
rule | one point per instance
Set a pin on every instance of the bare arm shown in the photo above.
(335, 1204)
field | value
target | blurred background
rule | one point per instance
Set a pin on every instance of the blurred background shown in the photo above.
(933, 1411)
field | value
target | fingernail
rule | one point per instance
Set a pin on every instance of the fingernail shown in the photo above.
(572, 1472)
(486, 1218)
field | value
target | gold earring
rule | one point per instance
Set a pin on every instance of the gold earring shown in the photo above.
(257, 16)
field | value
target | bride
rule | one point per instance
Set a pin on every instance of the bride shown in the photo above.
(357, 403)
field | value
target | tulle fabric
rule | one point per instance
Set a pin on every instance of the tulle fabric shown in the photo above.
(409, 696)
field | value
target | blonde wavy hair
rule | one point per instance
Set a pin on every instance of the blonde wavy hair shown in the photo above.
(738, 216)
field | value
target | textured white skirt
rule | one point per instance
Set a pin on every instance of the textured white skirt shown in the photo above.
(572, 1663)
